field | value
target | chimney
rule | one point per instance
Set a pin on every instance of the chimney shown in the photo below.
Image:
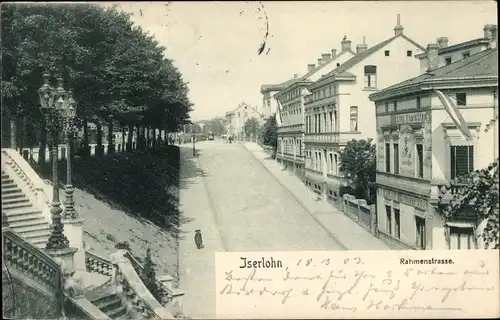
(492, 31)
(361, 47)
(345, 44)
(320, 62)
(326, 57)
(442, 42)
(310, 67)
(334, 53)
(432, 56)
(295, 75)
(398, 29)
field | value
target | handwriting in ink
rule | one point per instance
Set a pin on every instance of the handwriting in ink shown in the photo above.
(417, 287)
(380, 290)
(289, 277)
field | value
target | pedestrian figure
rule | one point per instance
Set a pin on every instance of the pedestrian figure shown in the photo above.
(198, 239)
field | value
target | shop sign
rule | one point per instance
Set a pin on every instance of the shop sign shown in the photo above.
(407, 147)
(407, 118)
(406, 199)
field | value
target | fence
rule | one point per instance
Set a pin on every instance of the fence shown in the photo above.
(360, 212)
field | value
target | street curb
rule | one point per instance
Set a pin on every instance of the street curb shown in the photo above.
(299, 201)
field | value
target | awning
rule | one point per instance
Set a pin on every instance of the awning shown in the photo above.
(459, 141)
(460, 224)
(454, 114)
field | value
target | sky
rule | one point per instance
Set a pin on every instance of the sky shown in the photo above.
(215, 44)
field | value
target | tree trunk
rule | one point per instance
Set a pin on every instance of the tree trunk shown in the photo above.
(123, 138)
(111, 146)
(99, 150)
(148, 140)
(129, 137)
(22, 133)
(13, 133)
(43, 144)
(86, 147)
(153, 133)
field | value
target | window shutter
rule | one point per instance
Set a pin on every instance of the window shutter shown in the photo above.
(471, 158)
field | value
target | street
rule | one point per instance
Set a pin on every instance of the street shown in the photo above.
(239, 206)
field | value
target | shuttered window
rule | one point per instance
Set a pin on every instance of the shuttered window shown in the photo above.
(461, 160)
(387, 157)
(462, 238)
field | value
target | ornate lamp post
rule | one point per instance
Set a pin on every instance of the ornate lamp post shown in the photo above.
(69, 113)
(53, 101)
(194, 145)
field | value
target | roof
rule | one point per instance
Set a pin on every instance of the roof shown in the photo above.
(277, 87)
(457, 46)
(321, 66)
(483, 64)
(361, 56)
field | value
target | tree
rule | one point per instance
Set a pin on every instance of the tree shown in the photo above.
(251, 127)
(149, 276)
(216, 126)
(358, 163)
(482, 194)
(270, 133)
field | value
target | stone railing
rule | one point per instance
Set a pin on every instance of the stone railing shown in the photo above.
(134, 289)
(359, 211)
(28, 181)
(169, 295)
(97, 264)
(29, 263)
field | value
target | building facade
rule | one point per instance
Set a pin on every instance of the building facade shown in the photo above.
(291, 108)
(237, 118)
(338, 108)
(431, 130)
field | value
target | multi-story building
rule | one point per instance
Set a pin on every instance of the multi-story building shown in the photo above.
(447, 54)
(432, 129)
(238, 117)
(338, 109)
(291, 108)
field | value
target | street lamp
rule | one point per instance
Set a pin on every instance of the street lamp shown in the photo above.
(53, 100)
(69, 113)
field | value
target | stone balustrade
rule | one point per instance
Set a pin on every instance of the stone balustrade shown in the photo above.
(97, 264)
(169, 295)
(134, 289)
(30, 262)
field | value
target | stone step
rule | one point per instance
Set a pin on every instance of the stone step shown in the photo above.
(109, 305)
(17, 214)
(7, 181)
(40, 243)
(13, 195)
(11, 189)
(5, 176)
(16, 205)
(26, 230)
(14, 200)
(28, 236)
(26, 222)
(118, 312)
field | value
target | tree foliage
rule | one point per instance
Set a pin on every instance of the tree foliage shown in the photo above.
(148, 275)
(216, 126)
(252, 127)
(359, 163)
(115, 68)
(270, 132)
(482, 194)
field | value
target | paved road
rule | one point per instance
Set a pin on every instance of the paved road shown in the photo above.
(252, 210)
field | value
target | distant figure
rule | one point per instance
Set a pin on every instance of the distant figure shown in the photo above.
(198, 239)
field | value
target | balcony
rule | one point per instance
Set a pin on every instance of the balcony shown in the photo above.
(442, 191)
(292, 128)
(326, 137)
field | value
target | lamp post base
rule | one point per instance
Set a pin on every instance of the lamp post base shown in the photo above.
(73, 228)
(64, 257)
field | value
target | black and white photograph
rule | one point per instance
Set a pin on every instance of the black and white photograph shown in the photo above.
(195, 159)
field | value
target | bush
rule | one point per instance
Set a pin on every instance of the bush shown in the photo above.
(136, 182)
(148, 276)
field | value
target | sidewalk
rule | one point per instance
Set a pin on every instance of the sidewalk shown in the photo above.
(197, 267)
(335, 222)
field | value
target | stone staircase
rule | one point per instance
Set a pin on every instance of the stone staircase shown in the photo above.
(109, 301)
(22, 216)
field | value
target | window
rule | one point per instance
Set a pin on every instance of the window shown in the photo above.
(447, 60)
(387, 53)
(462, 238)
(330, 115)
(388, 220)
(461, 160)
(334, 121)
(397, 224)
(354, 118)
(387, 157)
(395, 106)
(466, 55)
(408, 53)
(420, 235)
(420, 161)
(461, 98)
(370, 76)
(387, 107)
(336, 159)
(330, 167)
(395, 148)
(418, 102)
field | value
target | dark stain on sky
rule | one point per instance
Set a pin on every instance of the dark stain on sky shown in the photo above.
(264, 42)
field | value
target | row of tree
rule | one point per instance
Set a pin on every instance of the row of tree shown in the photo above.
(118, 72)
